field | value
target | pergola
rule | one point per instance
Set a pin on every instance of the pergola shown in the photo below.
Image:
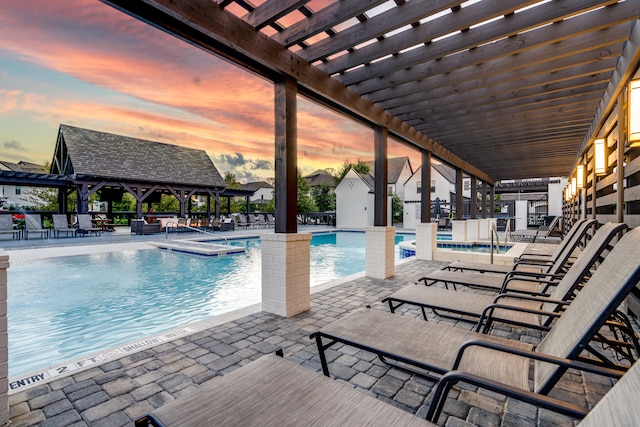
(497, 89)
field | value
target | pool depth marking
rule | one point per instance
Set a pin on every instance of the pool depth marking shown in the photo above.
(21, 383)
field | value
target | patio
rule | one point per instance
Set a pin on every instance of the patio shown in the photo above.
(119, 391)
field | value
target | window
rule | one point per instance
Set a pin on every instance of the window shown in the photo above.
(467, 186)
(419, 185)
(18, 190)
(433, 185)
(390, 189)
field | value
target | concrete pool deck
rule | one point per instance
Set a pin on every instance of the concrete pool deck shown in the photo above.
(120, 390)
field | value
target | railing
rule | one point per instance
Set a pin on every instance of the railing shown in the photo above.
(494, 232)
(166, 231)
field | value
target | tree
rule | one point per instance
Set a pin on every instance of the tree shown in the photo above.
(305, 202)
(397, 209)
(324, 197)
(361, 167)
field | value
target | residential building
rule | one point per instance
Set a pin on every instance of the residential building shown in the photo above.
(15, 195)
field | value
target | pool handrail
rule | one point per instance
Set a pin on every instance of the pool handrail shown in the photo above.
(166, 231)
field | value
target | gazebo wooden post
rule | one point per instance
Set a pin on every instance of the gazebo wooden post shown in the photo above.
(286, 254)
(426, 231)
(380, 239)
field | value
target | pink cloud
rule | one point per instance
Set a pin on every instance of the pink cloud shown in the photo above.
(203, 102)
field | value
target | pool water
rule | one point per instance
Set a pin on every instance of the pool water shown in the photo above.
(61, 308)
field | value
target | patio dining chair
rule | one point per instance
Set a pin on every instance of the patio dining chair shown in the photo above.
(428, 347)
(6, 226)
(33, 225)
(530, 311)
(60, 224)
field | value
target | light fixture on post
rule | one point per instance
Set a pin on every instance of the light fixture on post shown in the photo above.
(634, 113)
(600, 156)
(580, 176)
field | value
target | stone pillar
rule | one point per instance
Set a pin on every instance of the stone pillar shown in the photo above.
(380, 257)
(286, 263)
(426, 240)
(4, 342)
(473, 232)
(484, 229)
(459, 230)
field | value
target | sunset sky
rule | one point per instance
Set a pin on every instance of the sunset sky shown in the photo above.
(83, 63)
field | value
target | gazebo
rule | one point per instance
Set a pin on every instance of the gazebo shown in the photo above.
(109, 164)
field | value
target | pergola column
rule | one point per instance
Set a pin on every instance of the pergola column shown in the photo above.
(459, 195)
(473, 202)
(286, 254)
(426, 231)
(380, 239)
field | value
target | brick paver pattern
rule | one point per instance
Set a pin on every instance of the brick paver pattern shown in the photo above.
(120, 391)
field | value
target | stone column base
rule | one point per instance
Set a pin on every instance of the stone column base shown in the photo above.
(472, 230)
(286, 270)
(380, 257)
(4, 342)
(459, 230)
(426, 240)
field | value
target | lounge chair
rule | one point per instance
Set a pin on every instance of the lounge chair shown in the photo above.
(271, 220)
(514, 280)
(85, 226)
(428, 347)
(60, 224)
(511, 308)
(241, 221)
(6, 226)
(272, 391)
(33, 225)
(260, 221)
(618, 407)
(531, 235)
(529, 261)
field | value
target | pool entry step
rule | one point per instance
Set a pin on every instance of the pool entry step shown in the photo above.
(199, 248)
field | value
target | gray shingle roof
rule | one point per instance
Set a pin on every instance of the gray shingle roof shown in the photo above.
(394, 168)
(320, 177)
(21, 166)
(105, 155)
(255, 186)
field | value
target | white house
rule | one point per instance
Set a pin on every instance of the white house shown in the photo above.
(441, 188)
(355, 201)
(262, 191)
(399, 170)
(16, 195)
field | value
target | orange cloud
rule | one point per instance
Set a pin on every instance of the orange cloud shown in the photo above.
(173, 92)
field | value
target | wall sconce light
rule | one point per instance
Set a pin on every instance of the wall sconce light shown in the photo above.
(567, 194)
(634, 113)
(580, 176)
(574, 186)
(600, 156)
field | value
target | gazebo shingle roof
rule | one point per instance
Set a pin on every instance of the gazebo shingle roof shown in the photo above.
(105, 155)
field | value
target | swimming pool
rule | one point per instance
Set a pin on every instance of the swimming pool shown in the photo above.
(61, 308)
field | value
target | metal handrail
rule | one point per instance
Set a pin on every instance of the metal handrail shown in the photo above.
(507, 232)
(494, 232)
(166, 231)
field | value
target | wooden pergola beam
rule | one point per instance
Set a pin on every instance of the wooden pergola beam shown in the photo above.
(206, 25)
